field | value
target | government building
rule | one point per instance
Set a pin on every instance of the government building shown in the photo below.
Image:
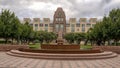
(59, 23)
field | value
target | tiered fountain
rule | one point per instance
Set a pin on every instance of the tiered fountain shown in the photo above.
(61, 51)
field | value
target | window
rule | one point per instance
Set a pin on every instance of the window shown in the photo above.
(83, 27)
(41, 25)
(72, 25)
(56, 27)
(36, 25)
(59, 19)
(88, 25)
(46, 25)
(61, 27)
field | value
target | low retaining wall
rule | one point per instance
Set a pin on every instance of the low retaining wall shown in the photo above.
(49, 46)
(108, 48)
(4, 47)
(7, 47)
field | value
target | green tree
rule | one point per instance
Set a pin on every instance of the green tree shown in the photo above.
(15, 29)
(106, 30)
(26, 32)
(6, 19)
(90, 36)
(45, 36)
(79, 37)
(115, 18)
(70, 37)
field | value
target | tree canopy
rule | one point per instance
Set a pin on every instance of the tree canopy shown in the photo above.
(12, 29)
(107, 30)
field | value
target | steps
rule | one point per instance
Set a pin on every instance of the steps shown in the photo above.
(102, 55)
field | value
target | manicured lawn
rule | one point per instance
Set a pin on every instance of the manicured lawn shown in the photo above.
(37, 46)
(34, 46)
(85, 47)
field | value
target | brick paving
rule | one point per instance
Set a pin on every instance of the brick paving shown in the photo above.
(7, 61)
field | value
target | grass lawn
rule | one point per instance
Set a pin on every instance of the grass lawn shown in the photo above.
(37, 46)
(34, 46)
(85, 47)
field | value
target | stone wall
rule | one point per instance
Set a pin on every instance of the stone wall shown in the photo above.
(108, 48)
(6, 47)
(64, 47)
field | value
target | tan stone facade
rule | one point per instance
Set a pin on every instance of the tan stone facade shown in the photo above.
(59, 22)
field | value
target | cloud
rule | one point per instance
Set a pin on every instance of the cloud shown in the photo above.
(72, 8)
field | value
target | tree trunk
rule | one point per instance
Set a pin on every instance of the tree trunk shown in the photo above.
(6, 40)
(80, 42)
(104, 42)
(91, 43)
(18, 40)
(108, 42)
(86, 42)
(116, 42)
(12, 40)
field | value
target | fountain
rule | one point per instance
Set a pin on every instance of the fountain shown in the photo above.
(60, 51)
(60, 39)
(60, 44)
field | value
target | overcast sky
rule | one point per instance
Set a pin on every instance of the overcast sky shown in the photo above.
(73, 8)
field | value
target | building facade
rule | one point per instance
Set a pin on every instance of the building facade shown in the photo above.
(59, 23)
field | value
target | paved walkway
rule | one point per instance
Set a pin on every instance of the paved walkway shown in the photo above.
(7, 61)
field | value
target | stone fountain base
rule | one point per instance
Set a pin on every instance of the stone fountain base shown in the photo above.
(65, 55)
(57, 46)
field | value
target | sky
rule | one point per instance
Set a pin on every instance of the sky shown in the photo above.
(73, 8)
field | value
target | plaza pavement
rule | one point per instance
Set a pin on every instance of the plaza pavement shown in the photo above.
(7, 61)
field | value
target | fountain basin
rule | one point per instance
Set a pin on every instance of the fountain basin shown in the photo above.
(56, 46)
(62, 51)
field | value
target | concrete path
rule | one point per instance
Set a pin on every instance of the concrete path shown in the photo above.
(7, 61)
